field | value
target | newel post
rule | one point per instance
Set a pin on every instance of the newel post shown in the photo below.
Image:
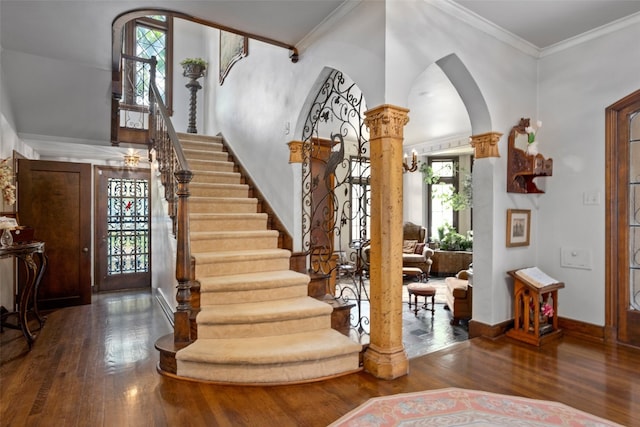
(181, 332)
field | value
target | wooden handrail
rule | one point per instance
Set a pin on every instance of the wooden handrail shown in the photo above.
(176, 176)
(120, 20)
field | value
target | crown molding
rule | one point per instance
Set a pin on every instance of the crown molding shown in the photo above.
(327, 23)
(592, 34)
(486, 26)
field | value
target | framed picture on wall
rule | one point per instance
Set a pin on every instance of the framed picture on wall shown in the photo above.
(518, 227)
(233, 48)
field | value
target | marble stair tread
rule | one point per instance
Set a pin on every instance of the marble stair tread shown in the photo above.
(249, 281)
(263, 311)
(290, 348)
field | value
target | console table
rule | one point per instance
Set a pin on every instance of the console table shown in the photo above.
(34, 259)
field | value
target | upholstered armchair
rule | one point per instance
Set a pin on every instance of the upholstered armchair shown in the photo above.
(459, 295)
(415, 252)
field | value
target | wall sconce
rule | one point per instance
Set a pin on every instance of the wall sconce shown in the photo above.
(131, 159)
(414, 162)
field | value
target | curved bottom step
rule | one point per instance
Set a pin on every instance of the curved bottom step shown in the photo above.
(293, 358)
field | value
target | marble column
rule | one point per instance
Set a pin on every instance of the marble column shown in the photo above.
(386, 358)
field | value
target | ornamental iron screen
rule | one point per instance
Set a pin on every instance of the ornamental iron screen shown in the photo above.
(336, 192)
(128, 248)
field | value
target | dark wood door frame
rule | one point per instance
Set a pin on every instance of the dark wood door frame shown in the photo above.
(618, 319)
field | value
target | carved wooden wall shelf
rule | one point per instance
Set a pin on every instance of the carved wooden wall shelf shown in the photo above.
(522, 167)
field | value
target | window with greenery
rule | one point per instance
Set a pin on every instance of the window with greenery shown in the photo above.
(442, 184)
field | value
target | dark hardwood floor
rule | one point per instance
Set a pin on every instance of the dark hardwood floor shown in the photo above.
(95, 365)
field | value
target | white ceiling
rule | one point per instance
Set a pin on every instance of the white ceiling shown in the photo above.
(40, 38)
(544, 23)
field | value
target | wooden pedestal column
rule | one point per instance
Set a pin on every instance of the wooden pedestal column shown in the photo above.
(385, 358)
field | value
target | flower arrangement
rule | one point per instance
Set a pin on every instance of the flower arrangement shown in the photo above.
(532, 132)
(6, 182)
(547, 309)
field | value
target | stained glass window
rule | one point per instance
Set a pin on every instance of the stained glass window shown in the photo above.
(128, 242)
(634, 214)
(152, 42)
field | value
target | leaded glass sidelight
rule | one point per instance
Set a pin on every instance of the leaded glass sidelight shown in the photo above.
(128, 243)
(634, 210)
(151, 42)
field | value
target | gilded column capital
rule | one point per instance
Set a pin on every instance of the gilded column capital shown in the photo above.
(386, 121)
(486, 144)
(295, 151)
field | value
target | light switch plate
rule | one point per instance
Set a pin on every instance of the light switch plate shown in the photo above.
(575, 258)
(591, 197)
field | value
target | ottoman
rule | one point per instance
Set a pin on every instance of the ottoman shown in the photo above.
(422, 290)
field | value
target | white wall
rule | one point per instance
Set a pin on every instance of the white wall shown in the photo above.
(189, 42)
(264, 94)
(419, 34)
(9, 142)
(163, 256)
(576, 85)
(384, 48)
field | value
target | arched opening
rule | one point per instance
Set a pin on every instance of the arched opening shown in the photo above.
(446, 108)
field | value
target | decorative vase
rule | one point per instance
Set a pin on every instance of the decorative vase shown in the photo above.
(6, 239)
(193, 71)
(532, 148)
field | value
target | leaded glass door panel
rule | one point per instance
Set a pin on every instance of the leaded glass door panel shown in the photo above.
(123, 234)
(623, 219)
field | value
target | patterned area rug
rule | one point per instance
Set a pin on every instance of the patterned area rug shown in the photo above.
(459, 407)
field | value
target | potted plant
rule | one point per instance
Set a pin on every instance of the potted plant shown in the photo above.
(451, 240)
(194, 68)
(457, 200)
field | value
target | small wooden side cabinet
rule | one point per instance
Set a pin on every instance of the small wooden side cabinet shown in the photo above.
(530, 325)
(34, 259)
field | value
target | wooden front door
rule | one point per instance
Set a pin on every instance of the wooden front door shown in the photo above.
(123, 229)
(54, 198)
(623, 219)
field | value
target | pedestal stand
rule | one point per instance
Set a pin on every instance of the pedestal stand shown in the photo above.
(193, 86)
(193, 71)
